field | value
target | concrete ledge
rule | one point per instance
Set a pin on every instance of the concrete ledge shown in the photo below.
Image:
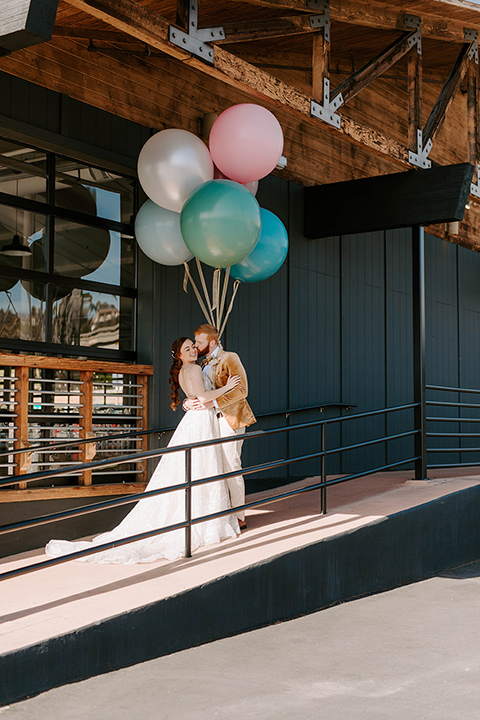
(398, 549)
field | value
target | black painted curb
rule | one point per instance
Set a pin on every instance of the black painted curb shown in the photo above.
(410, 545)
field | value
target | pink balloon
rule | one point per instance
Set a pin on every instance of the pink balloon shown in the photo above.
(252, 186)
(246, 142)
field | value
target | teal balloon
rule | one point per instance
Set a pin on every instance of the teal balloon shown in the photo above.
(268, 254)
(221, 222)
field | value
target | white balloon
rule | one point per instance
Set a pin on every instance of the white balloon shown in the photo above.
(171, 165)
(158, 234)
(252, 186)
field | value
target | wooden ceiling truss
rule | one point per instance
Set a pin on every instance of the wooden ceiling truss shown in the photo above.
(203, 49)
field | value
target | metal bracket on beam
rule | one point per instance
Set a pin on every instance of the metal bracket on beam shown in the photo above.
(413, 22)
(475, 187)
(326, 110)
(321, 21)
(472, 36)
(196, 40)
(420, 158)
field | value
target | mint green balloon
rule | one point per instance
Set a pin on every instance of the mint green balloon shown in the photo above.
(221, 223)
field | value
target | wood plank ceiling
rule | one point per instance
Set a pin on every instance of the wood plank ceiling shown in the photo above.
(116, 55)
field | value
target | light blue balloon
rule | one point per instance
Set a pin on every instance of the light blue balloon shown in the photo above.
(221, 222)
(158, 234)
(269, 253)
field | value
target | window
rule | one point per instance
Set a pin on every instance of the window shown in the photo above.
(75, 291)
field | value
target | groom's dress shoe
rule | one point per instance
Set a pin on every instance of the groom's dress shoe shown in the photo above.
(242, 524)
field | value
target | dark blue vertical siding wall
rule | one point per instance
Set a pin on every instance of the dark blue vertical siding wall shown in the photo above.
(333, 325)
(55, 121)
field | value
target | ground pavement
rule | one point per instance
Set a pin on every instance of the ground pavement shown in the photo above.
(410, 653)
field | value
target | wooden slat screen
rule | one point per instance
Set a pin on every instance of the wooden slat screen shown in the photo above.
(44, 401)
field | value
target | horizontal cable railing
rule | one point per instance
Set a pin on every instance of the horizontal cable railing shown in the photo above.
(48, 446)
(189, 483)
(44, 398)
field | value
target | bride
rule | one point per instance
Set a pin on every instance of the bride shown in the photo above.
(169, 508)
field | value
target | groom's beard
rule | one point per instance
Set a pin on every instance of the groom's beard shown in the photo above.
(202, 353)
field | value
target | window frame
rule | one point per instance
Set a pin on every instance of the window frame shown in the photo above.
(51, 211)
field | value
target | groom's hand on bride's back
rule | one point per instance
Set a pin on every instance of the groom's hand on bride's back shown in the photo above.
(192, 404)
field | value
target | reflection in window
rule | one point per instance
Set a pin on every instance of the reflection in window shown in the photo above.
(22, 310)
(87, 189)
(37, 299)
(93, 319)
(31, 229)
(22, 171)
(102, 255)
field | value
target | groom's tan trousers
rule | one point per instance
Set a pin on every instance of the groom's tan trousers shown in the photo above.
(232, 461)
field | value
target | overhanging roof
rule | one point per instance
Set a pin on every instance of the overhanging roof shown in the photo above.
(416, 197)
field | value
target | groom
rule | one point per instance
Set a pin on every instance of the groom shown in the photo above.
(233, 411)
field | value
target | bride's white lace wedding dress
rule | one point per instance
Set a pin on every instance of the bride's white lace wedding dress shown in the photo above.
(169, 508)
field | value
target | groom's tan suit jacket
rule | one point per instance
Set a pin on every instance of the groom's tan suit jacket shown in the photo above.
(233, 405)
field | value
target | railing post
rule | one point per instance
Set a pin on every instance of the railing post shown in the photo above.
(142, 380)
(188, 502)
(418, 270)
(323, 466)
(23, 460)
(87, 452)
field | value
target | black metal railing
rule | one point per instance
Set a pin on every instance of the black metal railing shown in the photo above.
(321, 484)
(453, 419)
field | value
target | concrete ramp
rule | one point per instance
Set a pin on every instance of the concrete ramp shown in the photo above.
(77, 620)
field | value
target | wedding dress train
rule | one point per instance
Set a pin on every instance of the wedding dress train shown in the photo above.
(169, 508)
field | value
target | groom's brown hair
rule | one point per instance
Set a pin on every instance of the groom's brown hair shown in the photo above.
(210, 331)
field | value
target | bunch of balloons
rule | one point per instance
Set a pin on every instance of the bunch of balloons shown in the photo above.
(202, 201)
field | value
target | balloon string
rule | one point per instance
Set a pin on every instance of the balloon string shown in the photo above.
(216, 294)
(185, 277)
(188, 275)
(236, 285)
(224, 295)
(205, 291)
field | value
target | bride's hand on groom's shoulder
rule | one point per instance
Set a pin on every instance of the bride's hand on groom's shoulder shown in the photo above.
(232, 382)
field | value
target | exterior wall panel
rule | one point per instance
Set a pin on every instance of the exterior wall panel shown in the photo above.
(398, 340)
(441, 339)
(363, 343)
(334, 324)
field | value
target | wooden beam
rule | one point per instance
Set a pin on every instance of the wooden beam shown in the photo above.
(260, 84)
(445, 99)
(372, 70)
(182, 14)
(369, 13)
(300, 5)
(320, 64)
(86, 422)
(388, 17)
(133, 19)
(276, 60)
(21, 424)
(84, 33)
(414, 97)
(247, 30)
(53, 363)
(473, 114)
(71, 491)
(152, 29)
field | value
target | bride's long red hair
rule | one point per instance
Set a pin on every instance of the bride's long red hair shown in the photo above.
(174, 371)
